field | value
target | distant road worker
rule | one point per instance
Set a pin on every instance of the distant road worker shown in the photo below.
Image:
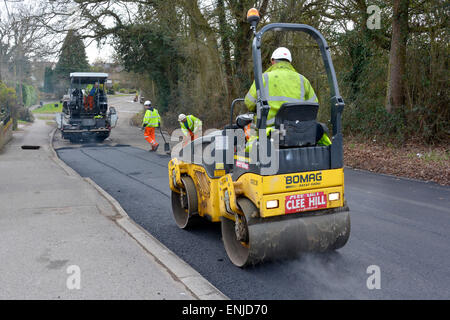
(151, 121)
(91, 91)
(191, 127)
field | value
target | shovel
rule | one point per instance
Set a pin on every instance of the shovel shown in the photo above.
(166, 144)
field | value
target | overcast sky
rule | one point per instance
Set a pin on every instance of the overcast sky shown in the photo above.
(92, 51)
(104, 53)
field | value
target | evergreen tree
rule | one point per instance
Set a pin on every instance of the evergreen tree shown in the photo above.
(48, 80)
(71, 59)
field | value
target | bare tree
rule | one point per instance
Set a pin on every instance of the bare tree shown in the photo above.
(25, 36)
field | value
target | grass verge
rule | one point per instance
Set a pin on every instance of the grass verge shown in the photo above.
(49, 108)
(45, 117)
(120, 95)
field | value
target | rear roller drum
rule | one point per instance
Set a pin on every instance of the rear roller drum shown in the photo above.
(185, 204)
(252, 240)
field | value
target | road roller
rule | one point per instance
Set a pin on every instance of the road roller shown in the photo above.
(284, 195)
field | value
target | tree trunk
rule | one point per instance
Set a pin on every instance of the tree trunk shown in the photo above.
(242, 44)
(225, 42)
(395, 97)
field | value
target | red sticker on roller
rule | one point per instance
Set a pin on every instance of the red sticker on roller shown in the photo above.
(305, 202)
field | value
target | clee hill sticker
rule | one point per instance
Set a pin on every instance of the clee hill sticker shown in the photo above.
(305, 202)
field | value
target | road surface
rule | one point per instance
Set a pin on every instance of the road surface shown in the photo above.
(400, 226)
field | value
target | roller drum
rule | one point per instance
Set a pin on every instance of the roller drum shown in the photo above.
(285, 236)
(185, 204)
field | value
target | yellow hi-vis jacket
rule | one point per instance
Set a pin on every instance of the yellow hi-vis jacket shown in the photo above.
(193, 124)
(89, 87)
(151, 118)
(282, 84)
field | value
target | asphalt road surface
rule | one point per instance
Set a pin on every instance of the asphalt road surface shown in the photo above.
(400, 226)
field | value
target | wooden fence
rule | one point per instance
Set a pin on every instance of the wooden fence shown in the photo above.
(5, 129)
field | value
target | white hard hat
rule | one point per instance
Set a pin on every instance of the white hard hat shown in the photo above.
(148, 103)
(181, 117)
(282, 53)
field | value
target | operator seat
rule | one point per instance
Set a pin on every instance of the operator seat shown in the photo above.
(298, 126)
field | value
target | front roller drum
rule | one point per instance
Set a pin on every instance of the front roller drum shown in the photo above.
(185, 203)
(253, 240)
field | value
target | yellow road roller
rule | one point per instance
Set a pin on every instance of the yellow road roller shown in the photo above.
(279, 198)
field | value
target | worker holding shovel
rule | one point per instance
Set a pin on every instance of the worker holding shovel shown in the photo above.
(151, 120)
(191, 127)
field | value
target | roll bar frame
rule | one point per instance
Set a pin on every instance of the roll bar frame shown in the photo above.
(262, 106)
(232, 108)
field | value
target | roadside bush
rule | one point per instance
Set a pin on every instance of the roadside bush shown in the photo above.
(8, 103)
(7, 96)
(29, 94)
(116, 86)
(375, 123)
(24, 114)
(136, 120)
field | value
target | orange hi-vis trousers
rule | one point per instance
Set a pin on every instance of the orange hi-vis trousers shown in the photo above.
(149, 135)
(88, 103)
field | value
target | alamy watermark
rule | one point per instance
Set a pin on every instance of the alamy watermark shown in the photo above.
(225, 146)
(374, 20)
(374, 280)
(73, 281)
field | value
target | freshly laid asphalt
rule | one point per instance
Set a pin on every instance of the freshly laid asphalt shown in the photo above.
(400, 225)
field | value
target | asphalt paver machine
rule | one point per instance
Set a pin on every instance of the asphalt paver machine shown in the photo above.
(86, 117)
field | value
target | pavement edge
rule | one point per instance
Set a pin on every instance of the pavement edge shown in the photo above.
(177, 268)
